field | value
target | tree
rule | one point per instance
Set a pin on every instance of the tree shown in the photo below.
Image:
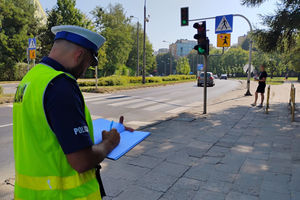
(115, 27)
(120, 34)
(183, 66)
(194, 60)
(163, 63)
(234, 60)
(283, 26)
(63, 13)
(16, 25)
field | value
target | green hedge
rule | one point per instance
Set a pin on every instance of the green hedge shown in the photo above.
(123, 80)
(1, 90)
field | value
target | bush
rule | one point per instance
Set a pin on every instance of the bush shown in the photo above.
(1, 90)
(123, 80)
(154, 80)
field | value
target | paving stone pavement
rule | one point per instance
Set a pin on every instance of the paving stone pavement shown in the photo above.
(235, 153)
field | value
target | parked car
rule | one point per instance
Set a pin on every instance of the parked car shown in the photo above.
(223, 76)
(216, 76)
(210, 79)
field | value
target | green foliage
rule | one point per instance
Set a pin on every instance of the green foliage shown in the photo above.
(183, 66)
(294, 56)
(64, 13)
(17, 24)
(194, 60)
(122, 70)
(1, 90)
(121, 41)
(283, 26)
(124, 80)
(115, 27)
(163, 63)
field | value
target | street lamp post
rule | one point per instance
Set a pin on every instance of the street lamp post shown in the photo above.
(144, 48)
(171, 69)
(137, 42)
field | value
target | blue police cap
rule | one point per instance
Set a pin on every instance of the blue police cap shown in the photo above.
(80, 36)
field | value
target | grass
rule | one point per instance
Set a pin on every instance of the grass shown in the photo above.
(108, 89)
(273, 81)
(6, 98)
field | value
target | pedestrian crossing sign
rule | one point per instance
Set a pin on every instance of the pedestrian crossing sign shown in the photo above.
(223, 40)
(32, 43)
(224, 24)
(32, 54)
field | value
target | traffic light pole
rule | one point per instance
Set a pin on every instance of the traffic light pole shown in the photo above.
(205, 85)
(250, 48)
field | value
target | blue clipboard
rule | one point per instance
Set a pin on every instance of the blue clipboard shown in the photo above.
(128, 139)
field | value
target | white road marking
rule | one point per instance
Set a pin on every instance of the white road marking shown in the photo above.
(96, 96)
(104, 97)
(5, 125)
(163, 105)
(184, 108)
(126, 102)
(142, 104)
(111, 100)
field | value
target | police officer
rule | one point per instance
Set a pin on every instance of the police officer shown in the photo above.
(55, 154)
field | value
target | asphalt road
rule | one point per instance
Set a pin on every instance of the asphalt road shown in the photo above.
(9, 88)
(139, 107)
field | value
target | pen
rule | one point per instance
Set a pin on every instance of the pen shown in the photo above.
(111, 124)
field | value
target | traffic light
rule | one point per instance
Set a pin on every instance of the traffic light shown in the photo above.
(203, 43)
(185, 16)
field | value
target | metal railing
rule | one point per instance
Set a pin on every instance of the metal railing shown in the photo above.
(292, 101)
(268, 100)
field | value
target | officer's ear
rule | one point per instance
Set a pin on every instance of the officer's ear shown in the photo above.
(79, 55)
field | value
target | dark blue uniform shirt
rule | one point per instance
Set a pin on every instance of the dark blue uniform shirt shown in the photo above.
(64, 109)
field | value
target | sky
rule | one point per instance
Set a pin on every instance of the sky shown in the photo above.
(164, 22)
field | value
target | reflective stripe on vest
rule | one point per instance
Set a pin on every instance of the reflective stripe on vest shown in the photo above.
(54, 182)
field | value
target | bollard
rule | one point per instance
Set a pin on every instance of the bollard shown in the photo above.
(293, 104)
(268, 100)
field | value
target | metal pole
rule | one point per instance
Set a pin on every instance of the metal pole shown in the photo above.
(170, 64)
(205, 85)
(28, 60)
(165, 69)
(144, 48)
(96, 76)
(250, 55)
(138, 57)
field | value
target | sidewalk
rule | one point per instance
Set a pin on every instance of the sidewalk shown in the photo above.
(235, 152)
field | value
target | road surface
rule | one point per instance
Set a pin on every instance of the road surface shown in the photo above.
(139, 107)
(9, 88)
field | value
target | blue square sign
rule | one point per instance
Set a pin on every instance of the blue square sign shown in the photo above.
(32, 44)
(199, 67)
(224, 24)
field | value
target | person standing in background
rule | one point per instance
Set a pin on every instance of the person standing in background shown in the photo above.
(261, 86)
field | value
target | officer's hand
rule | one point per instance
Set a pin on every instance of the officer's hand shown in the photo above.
(112, 136)
(121, 121)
